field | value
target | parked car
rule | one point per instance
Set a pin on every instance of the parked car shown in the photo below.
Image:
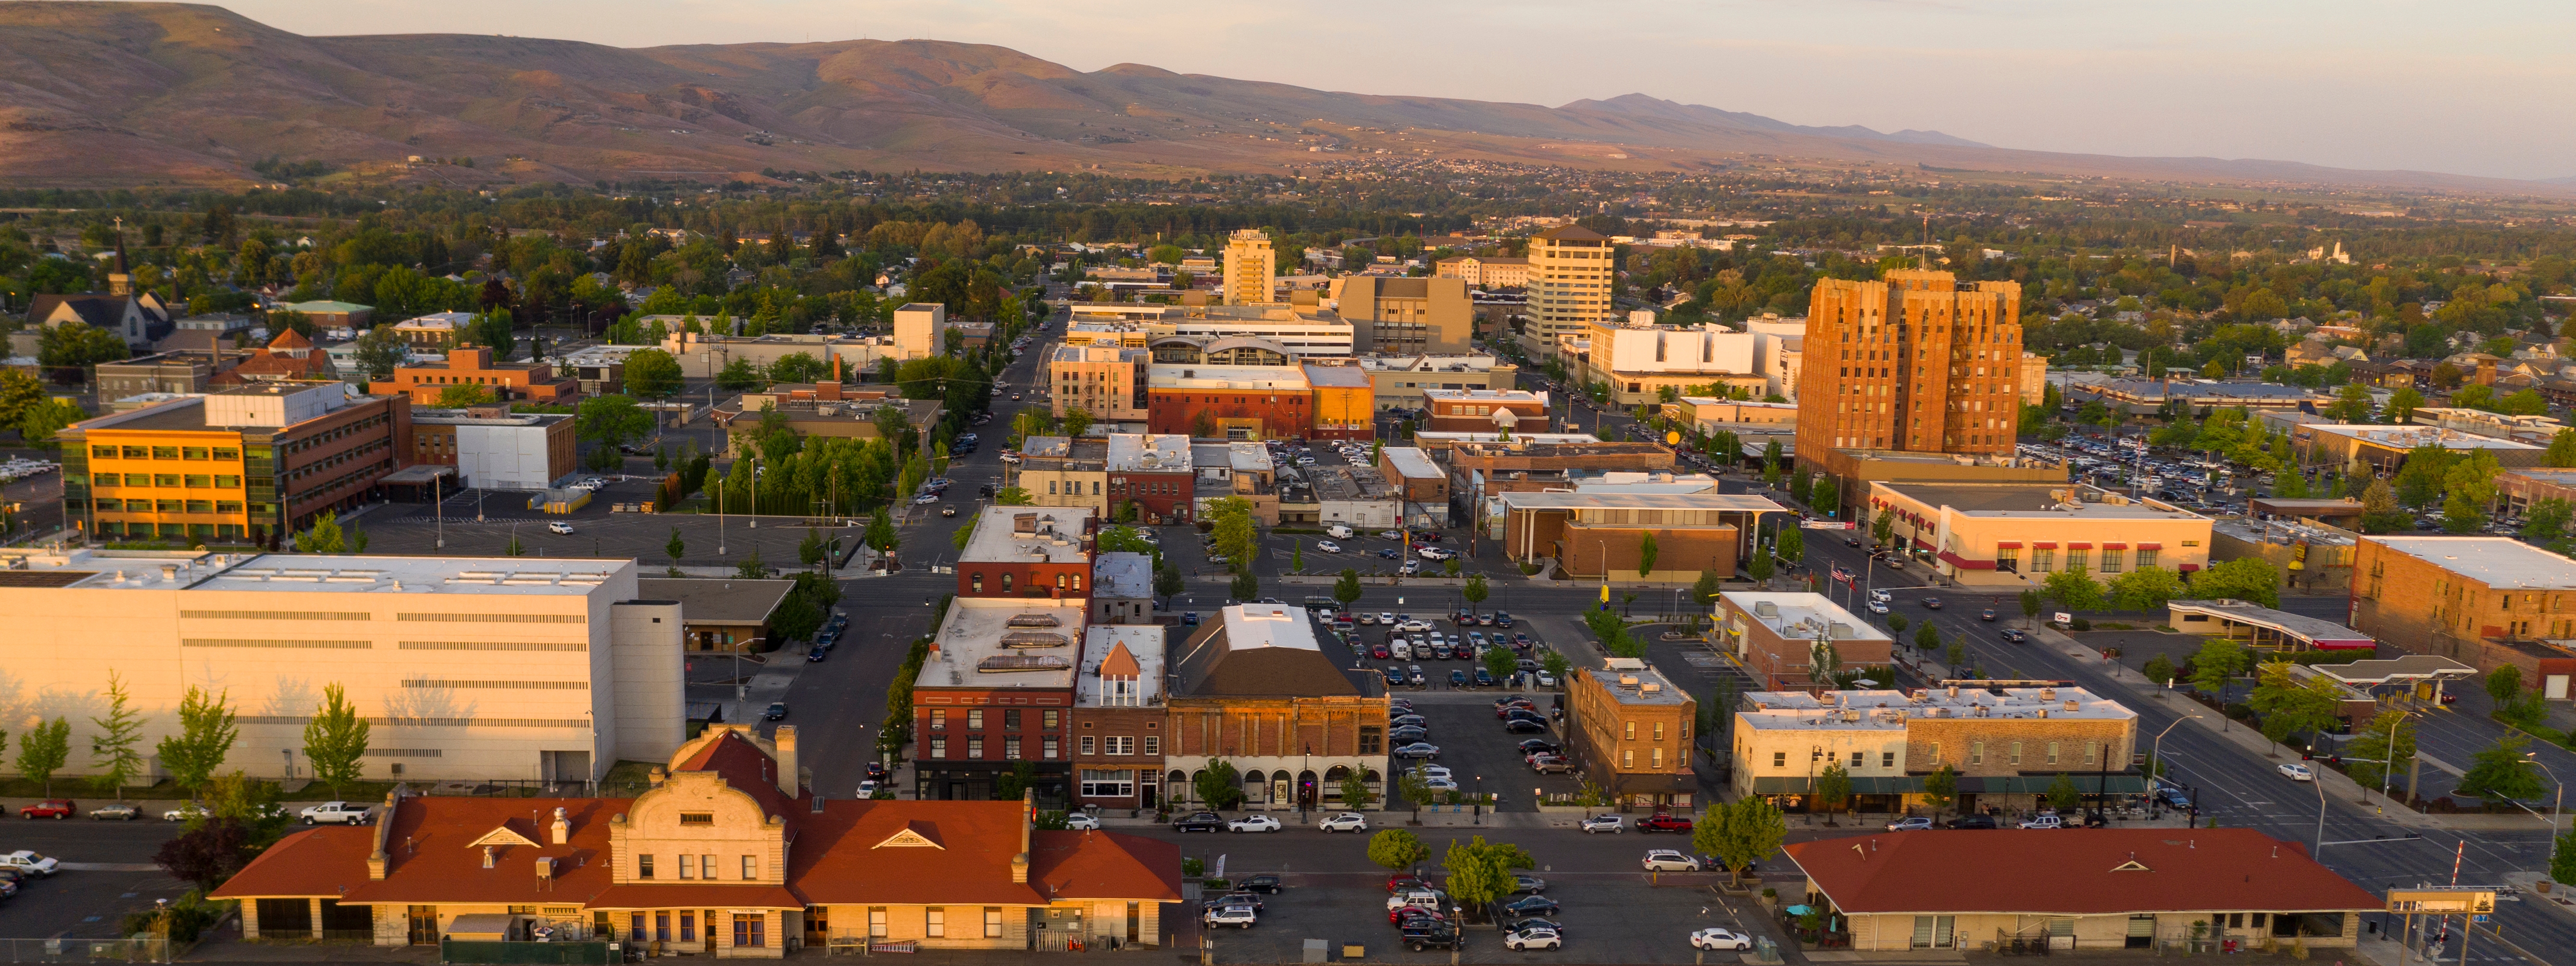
(120, 811)
(1550, 765)
(1716, 938)
(1612, 824)
(1198, 822)
(1973, 821)
(1253, 823)
(1524, 726)
(1910, 823)
(55, 808)
(1670, 860)
(1528, 883)
(777, 711)
(1878, 607)
(1428, 932)
(1264, 882)
(1238, 916)
(1345, 822)
(1662, 822)
(2043, 822)
(1534, 938)
(1538, 746)
(338, 813)
(1530, 906)
(1082, 822)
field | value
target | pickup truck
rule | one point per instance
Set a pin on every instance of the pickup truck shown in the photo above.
(29, 862)
(343, 813)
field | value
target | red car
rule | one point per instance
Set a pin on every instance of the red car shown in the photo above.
(1663, 823)
(1377, 651)
(1505, 709)
(1404, 882)
(49, 808)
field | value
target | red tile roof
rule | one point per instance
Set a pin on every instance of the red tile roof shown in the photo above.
(839, 858)
(742, 764)
(432, 858)
(2074, 872)
(312, 862)
(1105, 865)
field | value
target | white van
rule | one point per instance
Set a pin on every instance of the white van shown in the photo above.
(1401, 650)
(1338, 532)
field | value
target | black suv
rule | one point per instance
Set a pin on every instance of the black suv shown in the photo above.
(1200, 822)
(1428, 933)
(1259, 883)
(1973, 821)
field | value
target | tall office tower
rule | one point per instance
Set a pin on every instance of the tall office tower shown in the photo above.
(1570, 271)
(1250, 270)
(1912, 363)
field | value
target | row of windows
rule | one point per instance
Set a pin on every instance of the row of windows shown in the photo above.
(750, 929)
(1631, 731)
(188, 532)
(1050, 748)
(703, 867)
(221, 453)
(1061, 582)
(194, 481)
(1048, 720)
(1121, 745)
(109, 505)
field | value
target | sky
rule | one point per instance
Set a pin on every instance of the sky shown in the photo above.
(2474, 87)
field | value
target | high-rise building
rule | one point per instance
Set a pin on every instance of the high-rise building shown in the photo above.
(1910, 363)
(1570, 272)
(1250, 270)
(1408, 315)
(248, 464)
(919, 330)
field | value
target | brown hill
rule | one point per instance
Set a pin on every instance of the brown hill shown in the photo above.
(135, 93)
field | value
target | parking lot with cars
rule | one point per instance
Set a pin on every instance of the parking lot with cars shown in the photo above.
(1595, 917)
(100, 871)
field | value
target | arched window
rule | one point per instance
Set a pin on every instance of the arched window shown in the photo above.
(977, 580)
(1006, 583)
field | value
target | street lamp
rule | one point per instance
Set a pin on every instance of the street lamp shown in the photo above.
(2156, 759)
(2533, 758)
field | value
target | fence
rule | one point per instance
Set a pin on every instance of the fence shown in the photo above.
(61, 950)
(465, 951)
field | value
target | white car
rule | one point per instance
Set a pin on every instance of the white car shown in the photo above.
(1238, 916)
(1534, 937)
(2043, 822)
(1715, 938)
(1327, 546)
(184, 813)
(1414, 626)
(1082, 822)
(2299, 771)
(1546, 680)
(1605, 823)
(868, 789)
(1670, 860)
(1440, 784)
(1386, 618)
(343, 813)
(559, 527)
(1878, 607)
(29, 862)
(1253, 823)
(1345, 822)
(1434, 771)
(1429, 553)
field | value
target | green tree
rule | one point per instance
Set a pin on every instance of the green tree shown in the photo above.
(1881, 529)
(1219, 785)
(2504, 684)
(335, 740)
(1480, 873)
(1396, 850)
(2219, 661)
(1473, 591)
(1355, 792)
(2388, 742)
(112, 749)
(2158, 669)
(1956, 654)
(1076, 421)
(675, 547)
(1246, 587)
(1896, 624)
(798, 367)
(1499, 662)
(2074, 589)
(1927, 638)
(2500, 771)
(2419, 480)
(2546, 523)
(2063, 795)
(73, 348)
(206, 736)
(2143, 589)
(19, 391)
(881, 534)
(1704, 592)
(751, 567)
(1554, 663)
(1793, 545)
(38, 423)
(2562, 858)
(1941, 788)
(2245, 578)
(1760, 569)
(652, 374)
(2402, 405)
(2562, 449)
(43, 750)
(1646, 554)
(1749, 830)
(2379, 510)
(1346, 587)
(1833, 788)
(1416, 788)
(612, 421)
(2290, 706)
(2031, 604)
(739, 375)
(1167, 582)
(1013, 496)
(2468, 490)
(2351, 405)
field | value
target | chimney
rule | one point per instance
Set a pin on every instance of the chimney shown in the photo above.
(786, 739)
(1028, 816)
(562, 827)
(487, 856)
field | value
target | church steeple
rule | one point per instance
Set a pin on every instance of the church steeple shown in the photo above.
(119, 281)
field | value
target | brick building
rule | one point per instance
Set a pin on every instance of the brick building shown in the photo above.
(1413, 474)
(996, 691)
(1590, 534)
(1500, 461)
(249, 464)
(1231, 402)
(1151, 473)
(1062, 471)
(2485, 601)
(1629, 729)
(1774, 635)
(1483, 410)
(2008, 745)
(1118, 717)
(1345, 404)
(1911, 362)
(1256, 690)
(1106, 381)
(473, 366)
(1019, 551)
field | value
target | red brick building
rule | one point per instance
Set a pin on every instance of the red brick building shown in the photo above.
(997, 690)
(1118, 717)
(1153, 472)
(473, 366)
(1028, 551)
(1230, 402)
(1256, 690)
(1481, 410)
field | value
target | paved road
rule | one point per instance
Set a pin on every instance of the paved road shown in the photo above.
(90, 900)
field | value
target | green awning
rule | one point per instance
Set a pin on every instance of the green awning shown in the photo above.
(1864, 785)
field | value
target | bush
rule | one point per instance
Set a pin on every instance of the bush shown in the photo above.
(2083, 625)
(1192, 868)
(191, 916)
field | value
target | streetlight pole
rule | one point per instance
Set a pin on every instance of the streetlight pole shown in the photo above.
(2156, 759)
(2533, 758)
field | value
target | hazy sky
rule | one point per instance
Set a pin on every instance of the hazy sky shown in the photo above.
(2474, 87)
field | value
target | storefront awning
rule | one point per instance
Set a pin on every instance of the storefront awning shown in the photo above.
(1861, 785)
(1964, 563)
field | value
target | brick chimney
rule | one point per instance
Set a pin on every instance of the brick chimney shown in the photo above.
(786, 740)
(1028, 814)
(562, 827)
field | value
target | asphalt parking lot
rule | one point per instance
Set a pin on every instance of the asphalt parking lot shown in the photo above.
(1607, 918)
(1480, 755)
(108, 873)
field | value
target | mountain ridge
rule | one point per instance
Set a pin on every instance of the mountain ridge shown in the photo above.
(121, 94)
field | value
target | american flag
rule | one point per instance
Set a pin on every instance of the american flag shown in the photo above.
(1841, 575)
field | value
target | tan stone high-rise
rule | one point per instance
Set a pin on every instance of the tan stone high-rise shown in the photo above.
(1250, 269)
(1911, 362)
(1570, 271)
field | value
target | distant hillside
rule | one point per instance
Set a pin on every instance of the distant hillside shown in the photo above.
(102, 94)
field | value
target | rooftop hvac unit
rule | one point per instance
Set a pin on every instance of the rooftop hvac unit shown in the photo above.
(1766, 609)
(2071, 705)
(1650, 687)
(2048, 694)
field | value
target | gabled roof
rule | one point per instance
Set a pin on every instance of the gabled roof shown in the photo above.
(2093, 872)
(749, 770)
(312, 862)
(97, 309)
(1105, 865)
(858, 852)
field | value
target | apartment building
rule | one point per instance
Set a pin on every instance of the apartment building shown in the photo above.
(2007, 744)
(1638, 360)
(1254, 688)
(181, 371)
(702, 355)
(1151, 475)
(729, 854)
(433, 332)
(1059, 471)
(1485, 271)
(2016, 534)
(1774, 635)
(494, 448)
(249, 464)
(1107, 382)
(1345, 401)
(1118, 717)
(1629, 729)
(920, 330)
(2486, 601)
(1230, 402)
(1408, 315)
(1019, 551)
(1911, 362)
(1572, 273)
(1251, 268)
(995, 692)
(592, 672)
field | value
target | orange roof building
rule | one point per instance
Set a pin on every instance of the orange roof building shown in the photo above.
(288, 358)
(726, 854)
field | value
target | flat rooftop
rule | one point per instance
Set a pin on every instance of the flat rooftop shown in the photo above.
(1345, 377)
(1800, 614)
(1340, 483)
(1412, 463)
(1633, 681)
(1268, 625)
(1891, 710)
(1248, 457)
(1484, 395)
(1042, 534)
(2498, 562)
(1144, 644)
(718, 601)
(2314, 630)
(1743, 502)
(1003, 642)
(2031, 501)
(1129, 575)
(1288, 378)
(1154, 452)
(2410, 437)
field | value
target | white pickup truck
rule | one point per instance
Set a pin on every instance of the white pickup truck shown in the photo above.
(344, 813)
(31, 863)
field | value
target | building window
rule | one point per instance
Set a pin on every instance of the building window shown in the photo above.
(1779, 759)
(992, 922)
(643, 866)
(1126, 744)
(975, 719)
(2088, 753)
(1050, 748)
(1630, 731)
(2052, 752)
(2146, 558)
(938, 719)
(2008, 559)
(975, 747)
(876, 922)
(1368, 742)
(2042, 560)
(2016, 754)
(1010, 719)
(1628, 758)
(934, 922)
(1659, 731)
(750, 867)
(1099, 783)
(750, 930)
(1087, 747)
(1006, 583)
(688, 866)
(1976, 752)
(1050, 718)
(976, 581)
(1887, 759)
(2111, 561)
(1856, 760)
(938, 747)
(1011, 748)
(2075, 559)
